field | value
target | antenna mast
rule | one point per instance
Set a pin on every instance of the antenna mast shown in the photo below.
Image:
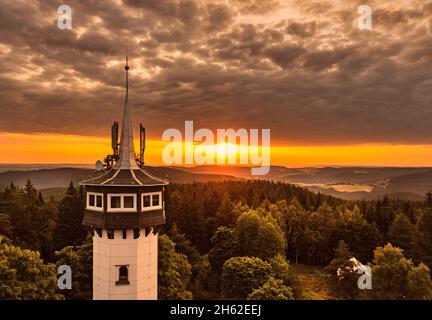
(142, 145)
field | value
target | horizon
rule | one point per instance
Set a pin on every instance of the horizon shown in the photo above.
(71, 165)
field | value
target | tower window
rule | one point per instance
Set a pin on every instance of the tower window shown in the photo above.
(94, 201)
(115, 202)
(151, 201)
(99, 201)
(91, 200)
(122, 202)
(123, 275)
(155, 200)
(128, 202)
(146, 201)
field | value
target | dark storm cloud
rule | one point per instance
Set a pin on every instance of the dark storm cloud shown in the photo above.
(300, 68)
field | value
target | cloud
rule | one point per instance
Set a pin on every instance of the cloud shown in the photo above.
(300, 68)
(257, 7)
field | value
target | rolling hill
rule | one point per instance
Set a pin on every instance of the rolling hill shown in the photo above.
(350, 183)
(61, 177)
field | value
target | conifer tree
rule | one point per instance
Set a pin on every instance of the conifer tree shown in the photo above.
(70, 230)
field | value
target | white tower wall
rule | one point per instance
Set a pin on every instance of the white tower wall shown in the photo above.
(140, 255)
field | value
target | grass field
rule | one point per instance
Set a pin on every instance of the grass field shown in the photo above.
(313, 282)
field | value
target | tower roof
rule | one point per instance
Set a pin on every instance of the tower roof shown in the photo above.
(126, 171)
(127, 150)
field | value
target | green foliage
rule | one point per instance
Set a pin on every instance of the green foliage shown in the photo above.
(225, 245)
(390, 273)
(282, 271)
(273, 289)
(198, 209)
(353, 229)
(225, 214)
(183, 245)
(80, 259)
(5, 224)
(423, 241)
(343, 251)
(240, 275)
(70, 230)
(419, 283)
(28, 220)
(174, 271)
(402, 233)
(258, 219)
(24, 276)
(259, 236)
(205, 285)
(296, 225)
(396, 278)
(342, 276)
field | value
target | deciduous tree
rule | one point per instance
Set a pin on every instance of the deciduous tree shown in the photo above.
(24, 276)
(273, 289)
(241, 275)
(174, 271)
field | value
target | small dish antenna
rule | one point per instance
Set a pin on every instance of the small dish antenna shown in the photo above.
(99, 165)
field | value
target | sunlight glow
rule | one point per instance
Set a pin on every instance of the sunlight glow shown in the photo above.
(52, 148)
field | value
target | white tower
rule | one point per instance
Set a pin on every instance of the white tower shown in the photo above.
(125, 208)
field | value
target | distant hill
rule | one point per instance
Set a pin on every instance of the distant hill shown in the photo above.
(350, 183)
(275, 173)
(45, 178)
(404, 183)
(418, 182)
(61, 177)
(4, 167)
(56, 193)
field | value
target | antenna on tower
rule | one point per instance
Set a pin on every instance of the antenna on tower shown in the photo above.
(142, 145)
(114, 138)
(111, 159)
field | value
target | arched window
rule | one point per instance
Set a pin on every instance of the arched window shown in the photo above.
(123, 277)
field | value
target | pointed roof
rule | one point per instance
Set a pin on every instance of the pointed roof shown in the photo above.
(127, 150)
(126, 171)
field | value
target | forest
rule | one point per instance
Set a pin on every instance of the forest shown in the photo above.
(229, 240)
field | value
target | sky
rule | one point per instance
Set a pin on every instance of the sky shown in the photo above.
(330, 93)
